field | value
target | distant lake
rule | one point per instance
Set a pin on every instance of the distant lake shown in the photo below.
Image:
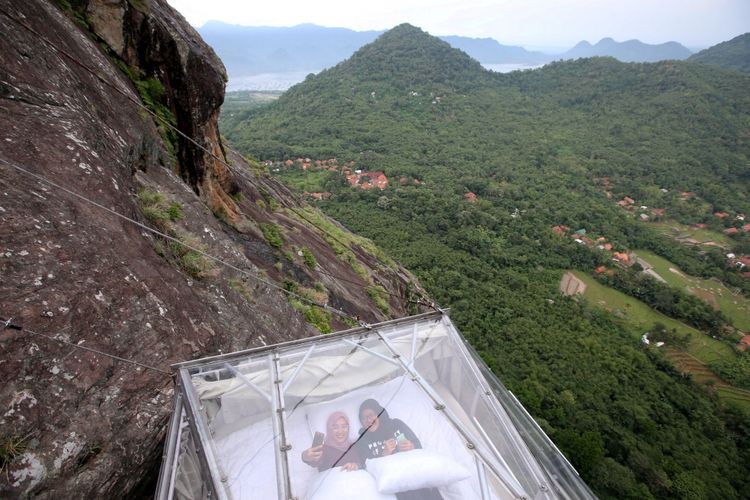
(282, 81)
(507, 68)
(267, 81)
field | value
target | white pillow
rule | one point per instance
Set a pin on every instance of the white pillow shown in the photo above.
(413, 470)
(338, 484)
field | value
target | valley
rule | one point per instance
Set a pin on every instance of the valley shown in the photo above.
(503, 160)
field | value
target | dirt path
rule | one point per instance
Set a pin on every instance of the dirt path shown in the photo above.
(570, 285)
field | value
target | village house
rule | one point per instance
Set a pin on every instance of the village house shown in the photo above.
(622, 258)
(626, 202)
(731, 230)
(470, 197)
(367, 180)
(721, 215)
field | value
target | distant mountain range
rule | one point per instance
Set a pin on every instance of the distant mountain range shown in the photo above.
(629, 51)
(247, 50)
(306, 48)
(733, 54)
(489, 51)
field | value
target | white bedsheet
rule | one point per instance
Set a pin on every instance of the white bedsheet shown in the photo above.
(248, 458)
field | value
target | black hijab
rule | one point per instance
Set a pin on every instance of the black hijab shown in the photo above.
(382, 413)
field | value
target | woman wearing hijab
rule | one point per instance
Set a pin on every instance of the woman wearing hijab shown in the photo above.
(381, 436)
(336, 449)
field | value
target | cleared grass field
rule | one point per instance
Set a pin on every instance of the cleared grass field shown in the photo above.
(305, 180)
(701, 349)
(681, 231)
(736, 307)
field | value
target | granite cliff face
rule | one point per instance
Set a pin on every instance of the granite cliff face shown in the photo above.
(76, 424)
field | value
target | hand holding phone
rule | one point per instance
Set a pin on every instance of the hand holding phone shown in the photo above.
(311, 456)
(318, 439)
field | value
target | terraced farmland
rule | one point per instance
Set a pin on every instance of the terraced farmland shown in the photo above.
(701, 349)
(734, 305)
(700, 373)
(691, 235)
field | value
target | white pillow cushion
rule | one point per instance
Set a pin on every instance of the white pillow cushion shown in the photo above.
(338, 484)
(413, 470)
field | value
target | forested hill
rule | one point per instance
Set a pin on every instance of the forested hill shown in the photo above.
(406, 57)
(733, 54)
(481, 168)
(666, 125)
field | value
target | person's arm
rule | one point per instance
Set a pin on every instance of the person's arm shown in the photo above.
(412, 441)
(311, 456)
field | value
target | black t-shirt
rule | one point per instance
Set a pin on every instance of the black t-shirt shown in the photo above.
(372, 443)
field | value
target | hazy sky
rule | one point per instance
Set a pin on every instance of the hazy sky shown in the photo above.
(531, 23)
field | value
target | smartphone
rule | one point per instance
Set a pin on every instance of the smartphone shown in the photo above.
(318, 439)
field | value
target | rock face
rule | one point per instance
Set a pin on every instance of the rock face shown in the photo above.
(78, 424)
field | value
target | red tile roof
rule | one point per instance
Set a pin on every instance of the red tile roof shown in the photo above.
(622, 257)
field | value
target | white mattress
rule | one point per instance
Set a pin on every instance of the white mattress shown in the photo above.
(249, 463)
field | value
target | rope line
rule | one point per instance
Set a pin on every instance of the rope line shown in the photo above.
(9, 324)
(176, 240)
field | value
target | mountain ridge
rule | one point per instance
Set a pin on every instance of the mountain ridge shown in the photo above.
(731, 54)
(628, 51)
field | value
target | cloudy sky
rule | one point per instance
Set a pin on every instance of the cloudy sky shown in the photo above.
(531, 23)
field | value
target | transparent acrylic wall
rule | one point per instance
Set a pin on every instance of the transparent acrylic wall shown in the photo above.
(252, 416)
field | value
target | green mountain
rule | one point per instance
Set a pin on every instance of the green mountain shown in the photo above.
(667, 125)
(732, 54)
(501, 159)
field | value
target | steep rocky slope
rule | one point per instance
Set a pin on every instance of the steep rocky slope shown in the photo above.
(77, 424)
